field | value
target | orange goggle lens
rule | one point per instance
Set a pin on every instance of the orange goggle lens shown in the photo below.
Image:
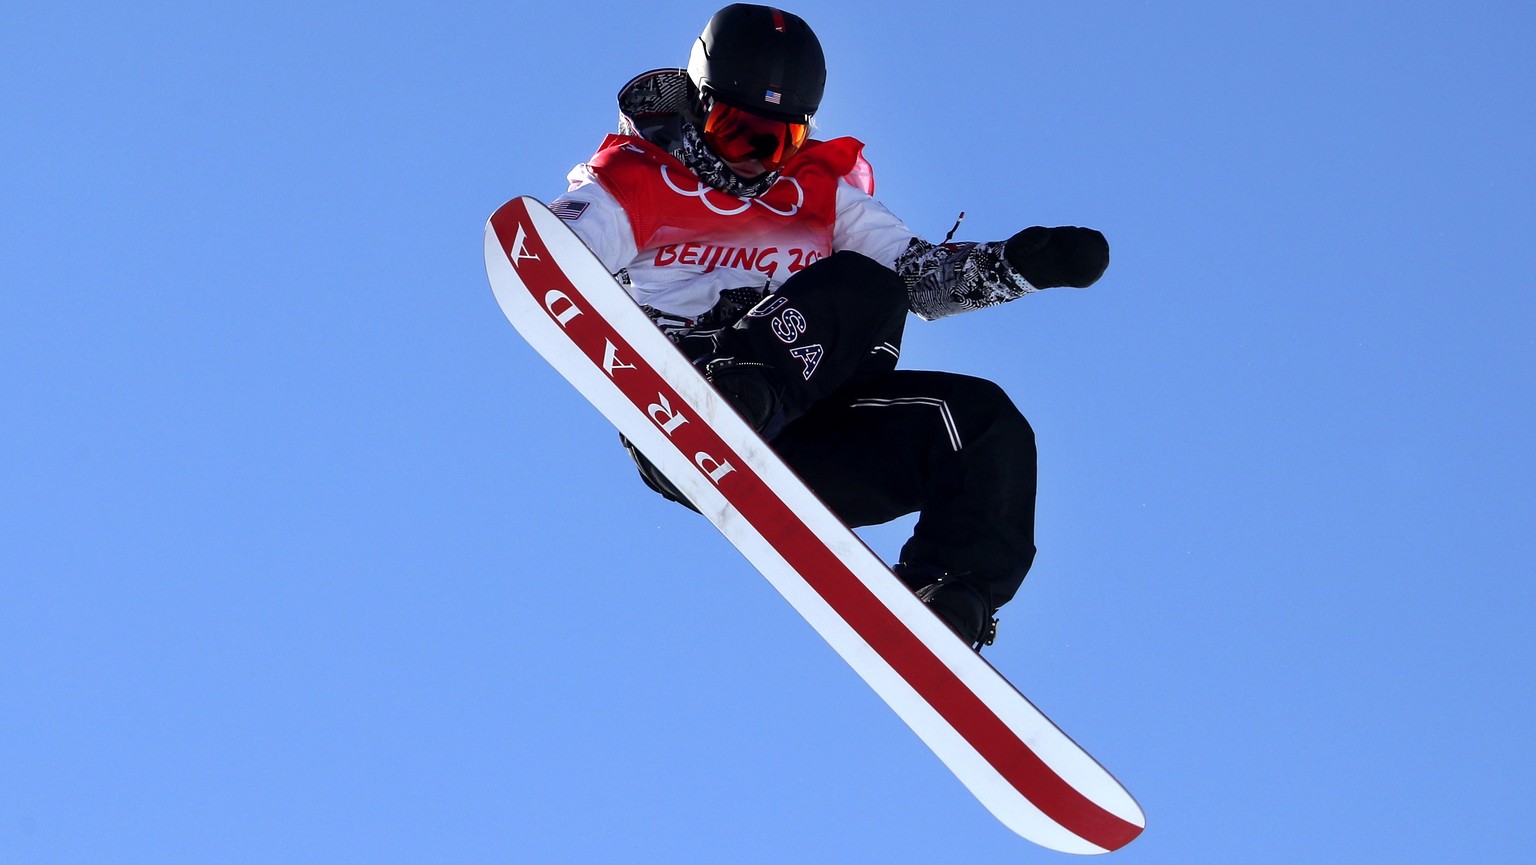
(737, 135)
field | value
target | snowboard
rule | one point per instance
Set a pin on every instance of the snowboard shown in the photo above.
(1015, 761)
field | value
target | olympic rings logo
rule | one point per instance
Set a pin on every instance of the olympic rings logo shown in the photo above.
(702, 194)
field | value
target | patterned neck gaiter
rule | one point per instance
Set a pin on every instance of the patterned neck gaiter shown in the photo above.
(694, 153)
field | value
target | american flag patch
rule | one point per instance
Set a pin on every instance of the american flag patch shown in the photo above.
(772, 97)
(569, 210)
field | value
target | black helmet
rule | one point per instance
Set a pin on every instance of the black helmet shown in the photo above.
(760, 59)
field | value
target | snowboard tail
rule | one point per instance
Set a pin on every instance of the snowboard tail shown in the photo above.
(1010, 756)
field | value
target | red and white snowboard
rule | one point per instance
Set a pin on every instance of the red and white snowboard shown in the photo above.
(1018, 764)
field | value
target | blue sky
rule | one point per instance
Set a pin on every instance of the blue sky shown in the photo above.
(306, 558)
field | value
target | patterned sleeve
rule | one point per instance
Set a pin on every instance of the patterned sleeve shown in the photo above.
(942, 279)
(949, 278)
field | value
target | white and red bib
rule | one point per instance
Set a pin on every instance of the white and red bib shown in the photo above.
(692, 242)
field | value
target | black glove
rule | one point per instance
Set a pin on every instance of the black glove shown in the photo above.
(1053, 257)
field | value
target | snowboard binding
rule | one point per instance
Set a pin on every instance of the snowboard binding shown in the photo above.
(967, 610)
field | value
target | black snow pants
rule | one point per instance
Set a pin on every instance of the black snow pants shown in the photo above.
(878, 443)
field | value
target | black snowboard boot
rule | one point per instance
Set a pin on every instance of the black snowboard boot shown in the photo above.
(964, 608)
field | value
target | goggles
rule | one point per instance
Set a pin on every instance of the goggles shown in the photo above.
(737, 135)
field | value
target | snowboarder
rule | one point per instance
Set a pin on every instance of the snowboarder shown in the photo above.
(763, 254)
